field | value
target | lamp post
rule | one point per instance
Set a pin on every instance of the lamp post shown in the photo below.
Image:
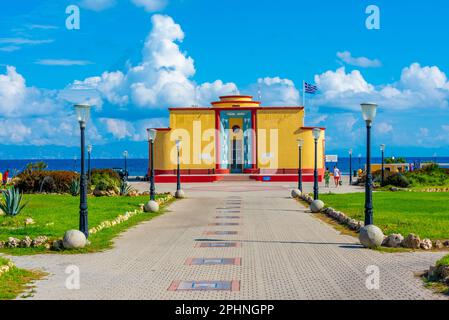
(152, 205)
(360, 161)
(382, 149)
(89, 152)
(151, 138)
(369, 113)
(316, 132)
(82, 112)
(179, 192)
(350, 167)
(125, 155)
(300, 145)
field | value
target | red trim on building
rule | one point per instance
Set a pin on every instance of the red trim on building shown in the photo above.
(234, 108)
(311, 128)
(236, 102)
(254, 139)
(235, 96)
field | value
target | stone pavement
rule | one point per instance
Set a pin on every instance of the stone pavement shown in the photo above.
(280, 251)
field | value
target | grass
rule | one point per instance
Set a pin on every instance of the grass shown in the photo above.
(443, 261)
(55, 214)
(16, 281)
(425, 214)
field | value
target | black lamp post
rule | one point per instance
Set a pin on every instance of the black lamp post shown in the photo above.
(369, 113)
(382, 149)
(125, 155)
(151, 138)
(89, 172)
(178, 170)
(300, 145)
(316, 132)
(350, 167)
(82, 112)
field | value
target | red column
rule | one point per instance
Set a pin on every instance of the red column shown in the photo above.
(254, 138)
(217, 140)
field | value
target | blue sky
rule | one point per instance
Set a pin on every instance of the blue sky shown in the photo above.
(134, 58)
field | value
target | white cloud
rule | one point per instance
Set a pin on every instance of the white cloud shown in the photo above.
(161, 79)
(363, 62)
(98, 5)
(277, 91)
(384, 127)
(136, 131)
(24, 41)
(9, 48)
(151, 5)
(63, 62)
(418, 87)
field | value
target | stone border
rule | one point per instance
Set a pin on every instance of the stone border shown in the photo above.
(394, 240)
(44, 241)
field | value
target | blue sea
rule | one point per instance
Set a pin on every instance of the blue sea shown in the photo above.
(139, 167)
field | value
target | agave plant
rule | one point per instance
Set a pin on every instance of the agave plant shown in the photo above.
(75, 187)
(11, 202)
(125, 188)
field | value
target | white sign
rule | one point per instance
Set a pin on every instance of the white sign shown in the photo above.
(331, 158)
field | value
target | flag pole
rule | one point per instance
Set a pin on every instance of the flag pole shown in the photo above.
(303, 93)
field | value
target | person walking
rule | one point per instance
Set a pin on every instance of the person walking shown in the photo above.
(337, 176)
(327, 176)
(5, 177)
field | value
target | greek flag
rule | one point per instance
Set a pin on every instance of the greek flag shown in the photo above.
(310, 88)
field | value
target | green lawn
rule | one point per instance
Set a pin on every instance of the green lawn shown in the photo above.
(55, 214)
(16, 281)
(422, 213)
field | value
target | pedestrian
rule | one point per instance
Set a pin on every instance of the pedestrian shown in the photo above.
(5, 177)
(337, 176)
(327, 176)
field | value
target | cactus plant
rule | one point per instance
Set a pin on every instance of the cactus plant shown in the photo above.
(125, 188)
(11, 202)
(75, 187)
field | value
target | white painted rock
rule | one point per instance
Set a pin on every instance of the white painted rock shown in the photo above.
(426, 244)
(296, 193)
(151, 206)
(74, 239)
(316, 206)
(371, 236)
(179, 194)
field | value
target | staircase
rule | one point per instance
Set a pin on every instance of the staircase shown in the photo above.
(235, 177)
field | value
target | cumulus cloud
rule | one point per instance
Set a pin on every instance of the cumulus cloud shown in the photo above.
(418, 87)
(363, 62)
(163, 77)
(276, 91)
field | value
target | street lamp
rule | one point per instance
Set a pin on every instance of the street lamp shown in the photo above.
(350, 167)
(316, 132)
(369, 113)
(151, 137)
(152, 205)
(82, 113)
(300, 145)
(360, 161)
(125, 155)
(382, 149)
(89, 151)
(179, 193)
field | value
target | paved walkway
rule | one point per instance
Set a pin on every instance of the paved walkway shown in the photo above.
(280, 251)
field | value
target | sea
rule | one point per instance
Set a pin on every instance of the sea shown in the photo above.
(139, 167)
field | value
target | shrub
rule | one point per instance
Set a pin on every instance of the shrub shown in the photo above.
(11, 204)
(397, 180)
(105, 180)
(30, 181)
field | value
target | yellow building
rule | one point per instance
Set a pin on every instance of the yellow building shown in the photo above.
(237, 135)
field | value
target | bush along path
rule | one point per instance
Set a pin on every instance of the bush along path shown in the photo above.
(394, 240)
(437, 277)
(14, 281)
(42, 231)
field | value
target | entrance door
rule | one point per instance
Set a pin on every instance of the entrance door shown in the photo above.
(237, 156)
